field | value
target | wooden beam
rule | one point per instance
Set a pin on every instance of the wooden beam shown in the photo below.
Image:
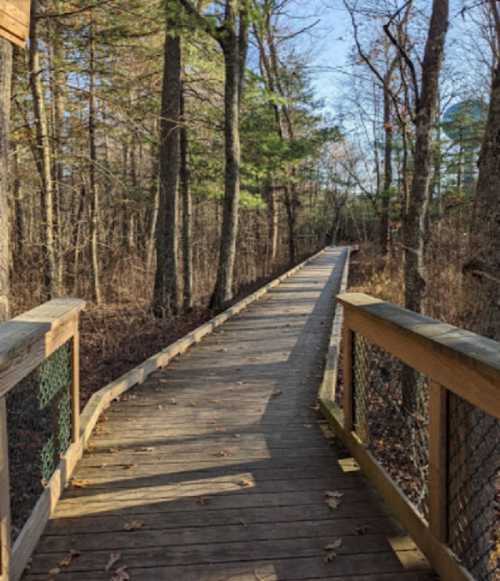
(438, 461)
(15, 20)
(463, 362)
(5, 540)
(75, 386)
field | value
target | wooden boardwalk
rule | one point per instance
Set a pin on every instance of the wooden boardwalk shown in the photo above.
(217, 468)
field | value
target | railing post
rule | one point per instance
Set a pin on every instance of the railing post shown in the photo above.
(347, 370)
(75, 385)
(5, 522)
(438, 461)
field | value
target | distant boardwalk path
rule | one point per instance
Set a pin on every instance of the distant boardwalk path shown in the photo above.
(216, 468)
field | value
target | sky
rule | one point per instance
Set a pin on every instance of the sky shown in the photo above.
(329, 43)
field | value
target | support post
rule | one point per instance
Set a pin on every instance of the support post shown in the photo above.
(75, 386)
(347, 363)
(438, 461)
(5, 522)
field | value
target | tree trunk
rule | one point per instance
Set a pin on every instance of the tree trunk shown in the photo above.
(483, 269)
(5, 90)
(416, 219)
(43, 158)
(223, 292)
(166, 290)
(187, 209)
(273, 224)
(94, 188)
(386, 193)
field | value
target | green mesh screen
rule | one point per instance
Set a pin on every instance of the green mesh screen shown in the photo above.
(39, 426)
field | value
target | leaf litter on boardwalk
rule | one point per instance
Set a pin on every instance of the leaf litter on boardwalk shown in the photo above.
(333, 498)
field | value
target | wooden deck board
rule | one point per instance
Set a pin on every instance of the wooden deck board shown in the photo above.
(221, 465)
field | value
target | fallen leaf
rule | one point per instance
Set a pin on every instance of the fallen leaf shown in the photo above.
(66, 562)
(120, 575)
(148, 449)
(172, 401)
(113, 559)
(334, 494)
(202, 500)
(245, 482)
(78, 483)
(55, 571)
(333, 503)
(330, 556)
(333, 546)
(133, 525)
(222, 453)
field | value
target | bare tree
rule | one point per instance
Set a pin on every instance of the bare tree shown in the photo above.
(43, 155)
(5, 89)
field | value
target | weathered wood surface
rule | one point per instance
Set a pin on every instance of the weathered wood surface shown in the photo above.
(465, 363)
(221, 466)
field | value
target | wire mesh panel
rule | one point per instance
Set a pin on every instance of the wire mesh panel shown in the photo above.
(39, 429)
(390, 404)
(474, 488)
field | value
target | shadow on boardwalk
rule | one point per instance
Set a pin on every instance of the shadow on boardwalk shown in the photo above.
(217, 467)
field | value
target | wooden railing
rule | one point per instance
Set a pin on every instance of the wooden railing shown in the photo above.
(33, 348)
(419, 410)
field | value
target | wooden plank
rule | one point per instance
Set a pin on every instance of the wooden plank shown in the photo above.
(438, 554)
(5, 521)
(121, 539)
(14, 20)
(75, 386)
(330, 373)
(465, 363)
(371, 547)
(438, 461)
(347, 568)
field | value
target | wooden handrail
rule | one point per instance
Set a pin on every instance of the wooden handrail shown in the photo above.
(454, 361)
(463, 362)
(25, 343)
(30, 338)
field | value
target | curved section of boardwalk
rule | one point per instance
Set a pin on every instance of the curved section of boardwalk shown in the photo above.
(218, 469)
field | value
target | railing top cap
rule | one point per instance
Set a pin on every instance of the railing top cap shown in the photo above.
(465, 344)
(22, 331)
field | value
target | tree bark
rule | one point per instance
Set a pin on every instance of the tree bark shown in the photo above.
(386, 193)
(187, 210)
(166, 290)
(5, 91)
(234, 46)
(416, 218)
(223, 292)
(94, 188)
(483, 268)
(43, 158)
